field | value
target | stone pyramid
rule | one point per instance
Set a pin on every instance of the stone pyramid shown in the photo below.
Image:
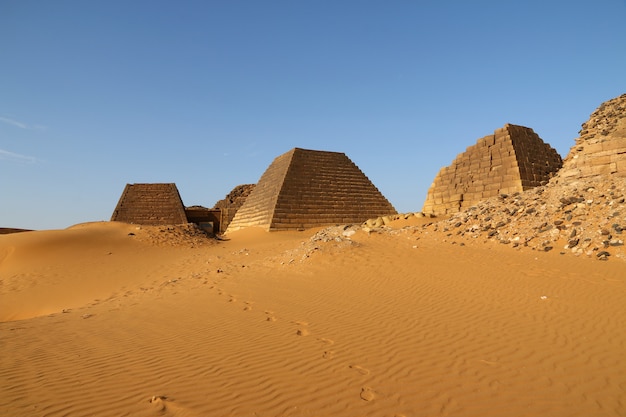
(150, 204)
(513, 159)
(306, 188)
(601, 148)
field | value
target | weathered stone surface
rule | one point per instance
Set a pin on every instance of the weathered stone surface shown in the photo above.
(549, 216)
(233, 202)
(305, 188)
(601, 148)
(150, 204)
(511, 160)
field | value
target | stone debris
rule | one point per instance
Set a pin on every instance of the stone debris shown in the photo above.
(585, 216)
(187, 235)
(331, 239)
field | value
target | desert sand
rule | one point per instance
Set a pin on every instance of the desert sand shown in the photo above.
(111, 319)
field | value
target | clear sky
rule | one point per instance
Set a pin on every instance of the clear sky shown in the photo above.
(205, 94)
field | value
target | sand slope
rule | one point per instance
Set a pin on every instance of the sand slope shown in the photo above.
(281, 324)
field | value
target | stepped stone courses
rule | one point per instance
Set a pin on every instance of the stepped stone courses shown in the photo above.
(306, 188)
(601, 148)
(511, 160)
(150, 204)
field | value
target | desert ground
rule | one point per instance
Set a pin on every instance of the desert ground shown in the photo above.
(112, 319)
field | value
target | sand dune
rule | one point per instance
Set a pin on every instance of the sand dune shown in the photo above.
(109, 319)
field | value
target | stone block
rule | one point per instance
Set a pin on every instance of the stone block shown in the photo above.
(615, 144)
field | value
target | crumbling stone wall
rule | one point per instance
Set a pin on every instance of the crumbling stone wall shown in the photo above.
(306, 188)
(601, 148)
(513, 159)
(150, 204)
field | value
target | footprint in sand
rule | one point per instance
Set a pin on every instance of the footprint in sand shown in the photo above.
(167, 407)
(232, 299)
(248, 306)
(360, 369)
(328, 354)
(270, 316)
(326, 341)
(302, 331)
(367, 394)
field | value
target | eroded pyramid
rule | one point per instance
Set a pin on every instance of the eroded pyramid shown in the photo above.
(513, 159)
(305, 188)
(233, 201)
(150, 204)
(601, 148)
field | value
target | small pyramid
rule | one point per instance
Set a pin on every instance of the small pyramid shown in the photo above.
(150, 204)
(513, 159)
(305, 188)
(601, 148)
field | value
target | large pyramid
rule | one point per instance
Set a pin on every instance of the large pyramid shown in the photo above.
(305, 188)
(513, 159)
(150, 204)
(601, 148)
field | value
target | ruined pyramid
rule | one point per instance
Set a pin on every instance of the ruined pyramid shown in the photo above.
(150, 204)
(513, 159)
(601, 148)
(305, 188)
(233, 201)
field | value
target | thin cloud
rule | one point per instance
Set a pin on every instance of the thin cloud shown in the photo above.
(20, 124)
(6, 155)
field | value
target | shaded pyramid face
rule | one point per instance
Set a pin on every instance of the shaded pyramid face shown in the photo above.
(513, 159)
(150, 204)
(305, 188)
(601, 148)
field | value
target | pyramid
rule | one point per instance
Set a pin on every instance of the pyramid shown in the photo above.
(601, 148)
(305, 188)
(150, 204)
(513, 159)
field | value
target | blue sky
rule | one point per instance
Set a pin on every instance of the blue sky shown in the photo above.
(97, 94)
